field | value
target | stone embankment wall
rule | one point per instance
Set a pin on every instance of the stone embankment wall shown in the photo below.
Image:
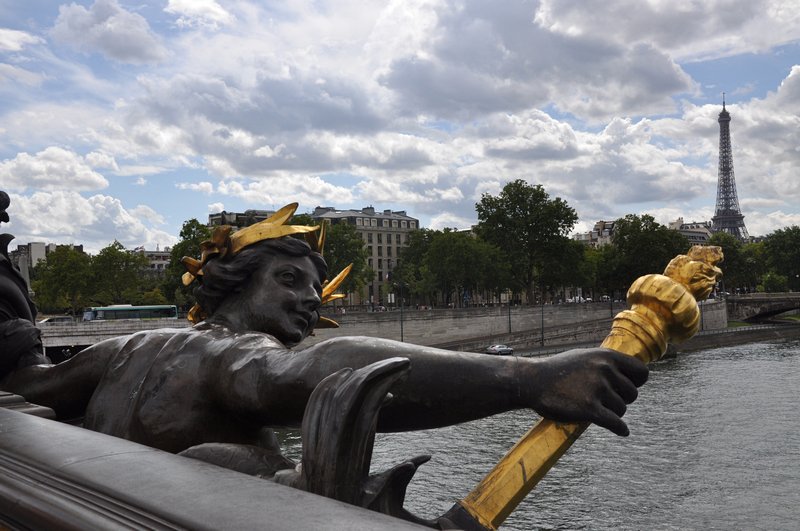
(453, 327)
(475, 328)
(469, 329)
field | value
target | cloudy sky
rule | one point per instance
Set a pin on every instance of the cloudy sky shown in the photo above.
(122, 119)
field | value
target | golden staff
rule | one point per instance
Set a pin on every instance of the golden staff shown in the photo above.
(663, 309)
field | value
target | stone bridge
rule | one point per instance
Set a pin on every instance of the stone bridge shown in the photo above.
(760, 306)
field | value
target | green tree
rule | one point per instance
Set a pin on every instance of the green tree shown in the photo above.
(411, 269)
(527, 226)
(154, 296)
(116, 273)
(63, 281)
(734, 267)
(644, 246)
(192, 234)
(344, 246)
(755, 264)
(449, 260)
(774, 283)
(782, 250)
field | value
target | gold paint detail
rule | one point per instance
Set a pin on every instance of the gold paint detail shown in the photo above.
(662, 309)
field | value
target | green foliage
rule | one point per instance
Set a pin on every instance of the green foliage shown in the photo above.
(528, 227)
(755, 264)
(774, 283)
(734, 266)
(782, 250)
(152, 297)
(116, 274)
(454, 265)
(411, 269)
(344, 246)
(192, 234)
(644, 246)
(63, 281)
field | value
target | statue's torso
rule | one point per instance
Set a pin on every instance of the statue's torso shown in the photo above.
(160, 387)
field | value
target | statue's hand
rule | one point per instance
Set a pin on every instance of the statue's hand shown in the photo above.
(588, 385)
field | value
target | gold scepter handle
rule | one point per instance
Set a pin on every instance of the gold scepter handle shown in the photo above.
(663, 308)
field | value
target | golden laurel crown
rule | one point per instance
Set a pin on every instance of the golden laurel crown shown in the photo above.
(224, 242)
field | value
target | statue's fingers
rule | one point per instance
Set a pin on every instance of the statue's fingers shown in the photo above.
(613, 402)
(609, 420)
(625, 388)
(634, 369)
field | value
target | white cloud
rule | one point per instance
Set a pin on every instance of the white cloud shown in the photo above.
(204, 187)
(204, 13)
(54, 168)
(109, 29)
(422, 104)
(145, 212)
(215, 207)
(15, 40)
(95, 221)
(99, 159)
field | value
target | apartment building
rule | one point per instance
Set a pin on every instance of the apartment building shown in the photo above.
(384, 234)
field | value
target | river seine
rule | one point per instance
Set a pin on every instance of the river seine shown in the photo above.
(714, 444)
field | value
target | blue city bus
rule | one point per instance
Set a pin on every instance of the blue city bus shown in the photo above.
(128, 311)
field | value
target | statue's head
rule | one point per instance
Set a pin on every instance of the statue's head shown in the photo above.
(264, 279)
(273, 286)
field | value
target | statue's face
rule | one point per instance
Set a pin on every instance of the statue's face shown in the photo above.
(282, 299)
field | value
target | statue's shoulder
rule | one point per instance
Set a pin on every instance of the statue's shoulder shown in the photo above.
(223, 336)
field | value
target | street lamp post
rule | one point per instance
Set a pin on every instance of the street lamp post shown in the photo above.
(542, 290)
(401, 312)
(509, 314)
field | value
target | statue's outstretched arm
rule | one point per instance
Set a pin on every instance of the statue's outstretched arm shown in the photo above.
(445, 387)
(66, 387)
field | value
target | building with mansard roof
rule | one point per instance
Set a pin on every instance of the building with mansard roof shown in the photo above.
(385, 233)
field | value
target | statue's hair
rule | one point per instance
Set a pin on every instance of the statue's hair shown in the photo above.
(228, 276)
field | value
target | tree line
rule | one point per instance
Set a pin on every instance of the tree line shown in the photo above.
(520, 246)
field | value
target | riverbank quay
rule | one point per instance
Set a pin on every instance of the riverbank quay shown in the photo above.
(703, 340)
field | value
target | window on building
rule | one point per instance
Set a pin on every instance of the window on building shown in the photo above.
(403, 224)
(380, 263)
(380, 237)
(369, 237)
(380, 251)
(359, 221)
(388, 250)
(412, 224)
(394, 223)
(369, 262)
(373, 222)
(369, 249)
(397, 239)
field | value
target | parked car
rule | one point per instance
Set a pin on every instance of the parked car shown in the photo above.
(499, 349)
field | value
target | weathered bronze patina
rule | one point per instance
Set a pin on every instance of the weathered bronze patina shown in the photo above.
(213, 391)
(20, 339)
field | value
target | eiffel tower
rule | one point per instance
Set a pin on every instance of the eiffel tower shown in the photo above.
(727, 217)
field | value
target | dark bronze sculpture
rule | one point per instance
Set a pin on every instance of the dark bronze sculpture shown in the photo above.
(213, 391)
(20, 340)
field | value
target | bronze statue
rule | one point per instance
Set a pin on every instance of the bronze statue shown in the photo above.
(213, 390)
(20, 339)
